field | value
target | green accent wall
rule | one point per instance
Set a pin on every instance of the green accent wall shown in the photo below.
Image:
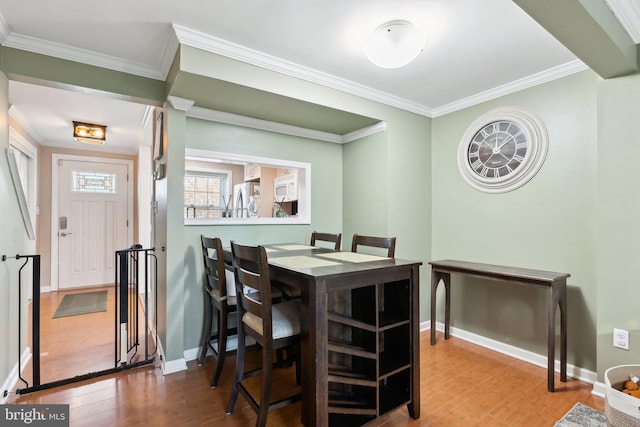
(548, 224)
(326, 200)
(618, 236)
(33, 67)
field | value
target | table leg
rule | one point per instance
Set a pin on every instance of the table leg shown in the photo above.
(436, 276)
(446, 279)
(435, 279)
(551, 336)
(562, 290)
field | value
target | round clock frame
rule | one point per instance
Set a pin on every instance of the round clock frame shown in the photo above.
(502, 149)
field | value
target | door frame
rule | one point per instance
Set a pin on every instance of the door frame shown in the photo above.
(55, 176)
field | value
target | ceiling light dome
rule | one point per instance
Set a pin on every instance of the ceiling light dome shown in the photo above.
(394, 44)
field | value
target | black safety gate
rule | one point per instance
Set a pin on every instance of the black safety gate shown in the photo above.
(134, 267)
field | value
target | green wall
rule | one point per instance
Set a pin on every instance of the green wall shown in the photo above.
(618, 239)
(548, 224)
(326, 200)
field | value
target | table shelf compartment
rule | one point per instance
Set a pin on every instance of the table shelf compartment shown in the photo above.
(394, 391)
(352, 399)
(395, 349)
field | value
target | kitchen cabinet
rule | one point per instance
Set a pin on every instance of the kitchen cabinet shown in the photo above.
(252, 172)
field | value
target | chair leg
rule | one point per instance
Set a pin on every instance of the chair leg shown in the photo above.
(298, 365)
(267, 373)
(239, 369)
(207, 331)
(222, 345)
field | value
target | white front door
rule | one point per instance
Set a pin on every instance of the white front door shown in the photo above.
(92, 221)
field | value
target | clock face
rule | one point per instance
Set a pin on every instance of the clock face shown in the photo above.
(502, 149)
(498, 149)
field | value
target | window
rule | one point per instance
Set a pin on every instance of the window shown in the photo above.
(255, 176)
(93, 182)
(206, 195)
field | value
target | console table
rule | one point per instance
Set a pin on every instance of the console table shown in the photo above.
(555, 285)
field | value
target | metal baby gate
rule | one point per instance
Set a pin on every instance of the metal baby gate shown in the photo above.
(135, 338)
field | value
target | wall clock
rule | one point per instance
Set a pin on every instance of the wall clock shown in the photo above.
(502, 149)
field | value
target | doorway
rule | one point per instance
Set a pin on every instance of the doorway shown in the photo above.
(91, 214)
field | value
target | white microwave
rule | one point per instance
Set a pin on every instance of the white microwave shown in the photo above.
(285, 188)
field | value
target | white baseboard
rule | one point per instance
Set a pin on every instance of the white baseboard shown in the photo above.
(575, 372)
(13, 378)
(170, 366)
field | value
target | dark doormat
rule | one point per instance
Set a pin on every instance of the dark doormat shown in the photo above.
(84, 303)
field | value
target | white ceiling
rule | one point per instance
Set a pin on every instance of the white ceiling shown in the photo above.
(476, 50)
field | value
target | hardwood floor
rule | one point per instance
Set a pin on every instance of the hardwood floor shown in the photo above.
(75, 345)
(462, 385)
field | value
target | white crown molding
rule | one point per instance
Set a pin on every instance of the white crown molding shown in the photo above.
(365, 131)
(515, 86)
(4, 30)
(225, 48)
(234, 51)
(145, 124)
(168, 55)
(182, 104)
(16, 115)
(235, 119)
(628, 13)
(84, 56)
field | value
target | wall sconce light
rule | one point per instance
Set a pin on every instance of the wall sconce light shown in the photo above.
(394, 44)
(88, 133)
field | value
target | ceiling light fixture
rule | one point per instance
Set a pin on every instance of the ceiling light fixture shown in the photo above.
(88, 133)
(394, 44)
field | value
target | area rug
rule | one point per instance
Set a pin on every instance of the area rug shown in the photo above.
(582, 416)
(84, 303)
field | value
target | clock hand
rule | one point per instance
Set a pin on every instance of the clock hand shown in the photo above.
(505, 141)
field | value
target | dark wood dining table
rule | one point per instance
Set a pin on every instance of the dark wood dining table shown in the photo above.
(317, 272)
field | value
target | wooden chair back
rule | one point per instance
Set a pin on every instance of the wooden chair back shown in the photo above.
(214, 267)
(388, 243)
(327, 237)
(253, 286)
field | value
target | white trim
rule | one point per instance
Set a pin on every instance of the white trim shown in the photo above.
(14, 376)
(83, 56)
(365, 131)
(237, 120)
(189, 37)
(573, 371)
(22, 144)
(173, 366)
(170, 366)
(628, 13)
(182, 104)
(4, 30)
(545, 76)
(17, 115)
(225, 48)
(55, 158)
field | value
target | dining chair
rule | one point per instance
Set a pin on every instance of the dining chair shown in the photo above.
(221, 299)
(388, 243)
(326, 237)
(273, 326)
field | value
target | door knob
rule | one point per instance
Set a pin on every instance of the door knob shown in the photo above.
(64, 234)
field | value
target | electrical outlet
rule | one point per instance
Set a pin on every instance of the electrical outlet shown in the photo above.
(621, 338)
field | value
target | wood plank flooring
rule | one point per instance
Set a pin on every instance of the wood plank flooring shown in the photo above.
(462, 385)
